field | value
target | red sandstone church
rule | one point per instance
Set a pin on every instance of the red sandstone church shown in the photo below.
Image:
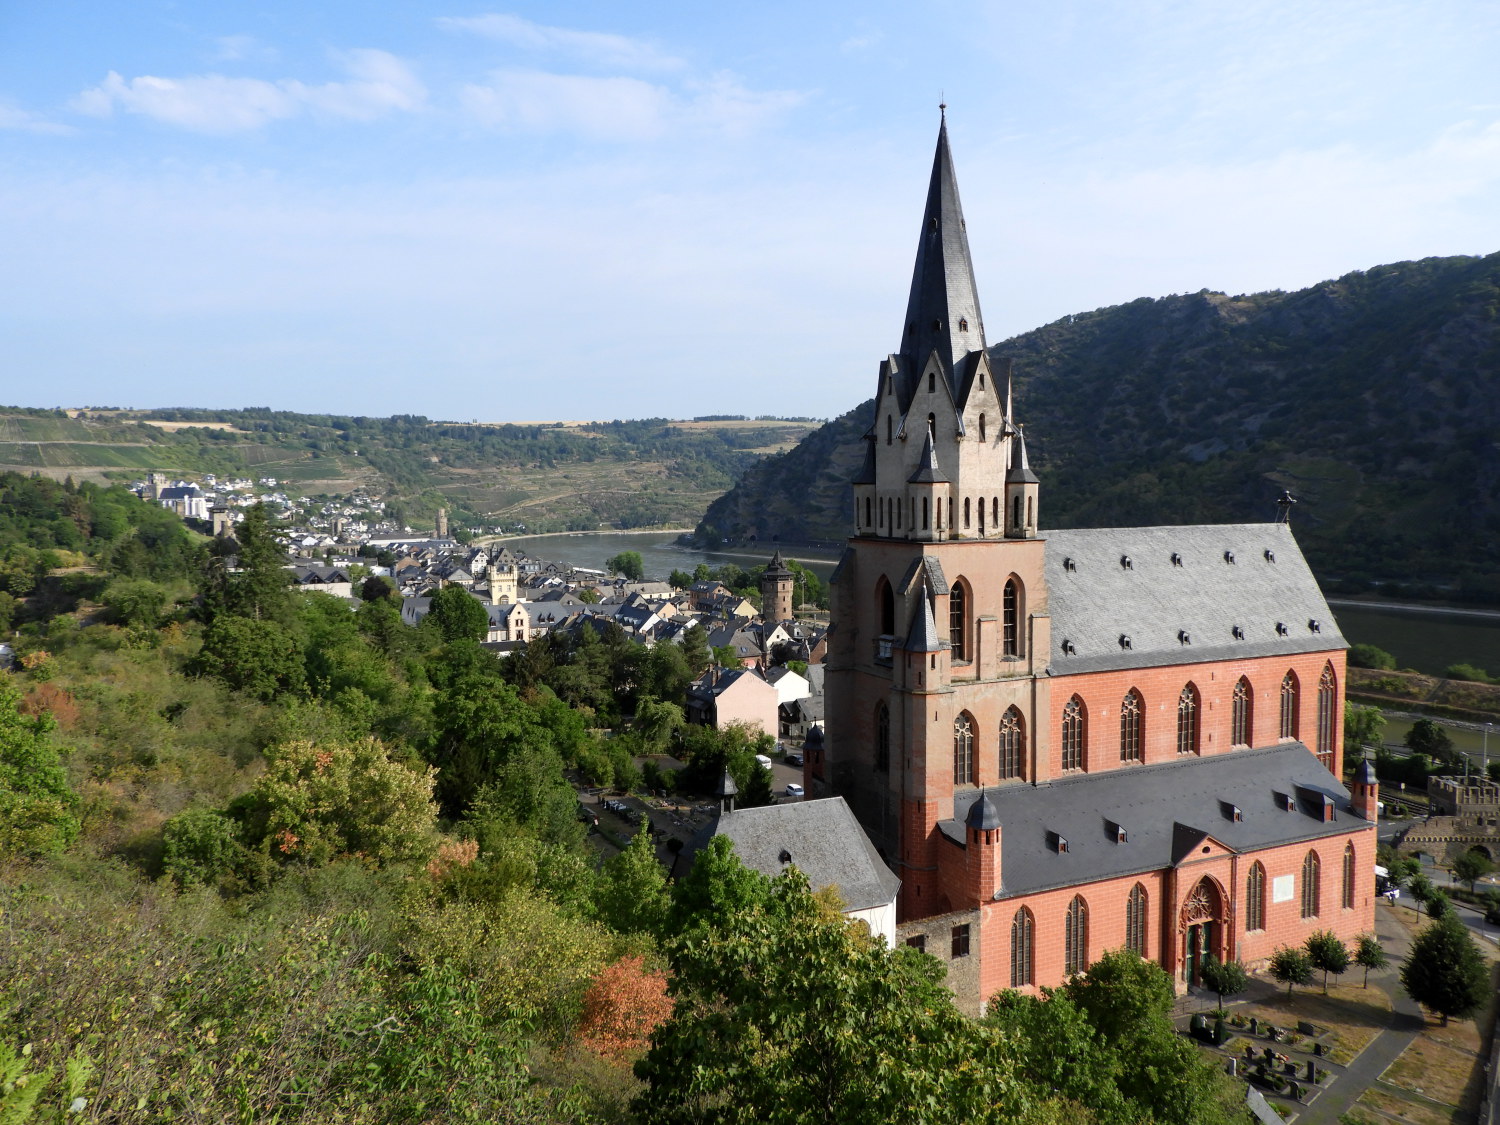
(1065, 742)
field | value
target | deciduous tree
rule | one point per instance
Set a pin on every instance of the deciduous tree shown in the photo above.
(1369, 955)
(458, 614)
(1328, 954)
(1224, 978)
(1472, 866)
(1291, 967)
(1445, 971)
(38, 811)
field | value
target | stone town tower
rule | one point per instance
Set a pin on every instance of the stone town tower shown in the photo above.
(776, 584)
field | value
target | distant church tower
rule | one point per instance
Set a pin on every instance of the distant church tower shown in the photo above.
(442, 523)
(940, 600)
(776, 585)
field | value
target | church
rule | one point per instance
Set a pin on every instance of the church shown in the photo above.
(1064, 742)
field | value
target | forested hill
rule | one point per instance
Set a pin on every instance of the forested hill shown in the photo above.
(1375, 398)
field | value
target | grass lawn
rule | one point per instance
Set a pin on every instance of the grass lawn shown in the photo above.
(1378, 1106)
(1453, 1076)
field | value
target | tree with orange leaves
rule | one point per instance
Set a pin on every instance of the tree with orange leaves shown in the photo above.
(624, 1005)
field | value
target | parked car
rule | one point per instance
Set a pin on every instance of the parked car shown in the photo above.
(762, 760)
(794, 758)
(793, 790)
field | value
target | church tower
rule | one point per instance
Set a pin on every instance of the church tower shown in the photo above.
(939, 605)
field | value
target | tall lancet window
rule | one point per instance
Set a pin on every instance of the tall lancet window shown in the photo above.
(1010, 612)
(1012, 744)
(1241, 714)
(1289, 706)
(1327, 693)
(958, 610)
(963, 750)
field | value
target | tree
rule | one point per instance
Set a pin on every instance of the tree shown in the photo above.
(1437, 903)
(1403, 869)
(1368, 955)
(1362, 725)
(199, 846)
(1445, 971)
(136, 601)
(632, 896)
(588, 595)
(1224, 978)
(760, 791)
(695, 648)
(623, 1006)
(1290, 967)
(629, 564)
(458, 614)
(375, 588)
(680, 579)
(317, 801)
(1328, 954)
(261, 587)
(38, 811)
(1368, 656)
(1426, 737)
(1057, 1048)
(1421, 887)
(1472, 866)
(1129, 1001)
(258, 657)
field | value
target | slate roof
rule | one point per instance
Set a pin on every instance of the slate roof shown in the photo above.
(1106, 584)
(821, 838)
(1165, 810)
(928, 471)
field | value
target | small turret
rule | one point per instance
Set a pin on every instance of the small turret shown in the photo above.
(1366, 791)
(1022, 489)
(927, 488)
(728, 790)
(982, 840)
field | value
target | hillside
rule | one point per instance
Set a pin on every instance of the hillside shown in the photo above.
(546, 475)
(1375, 398)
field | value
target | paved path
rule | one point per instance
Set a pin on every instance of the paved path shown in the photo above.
(1406, 1022)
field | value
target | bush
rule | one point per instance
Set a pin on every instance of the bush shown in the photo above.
(199, 846)
(1369, 656)
(1468, 672)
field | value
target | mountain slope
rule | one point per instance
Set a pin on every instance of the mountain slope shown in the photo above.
(1375, 398)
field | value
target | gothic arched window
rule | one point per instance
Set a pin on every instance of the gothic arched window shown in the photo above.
(887, 600)
(963, 750)
(1349, 870)
(882, 738)
(1073, 735)
(1076, 937)
(1242, 714)
(1012, 744)
(981, 427)
(1010, 615)
(1312, 885)
(1022, 929)
(1135, 920)
(1255, 898)
(958, 610)
(1187, 720)
(1132, 723)
(1289, 705)
(1327, 694)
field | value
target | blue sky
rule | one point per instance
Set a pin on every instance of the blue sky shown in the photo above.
(595, 210)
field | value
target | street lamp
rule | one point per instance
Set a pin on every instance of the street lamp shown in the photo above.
(1484, 753)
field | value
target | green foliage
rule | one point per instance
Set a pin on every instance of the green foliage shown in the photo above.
(1471, 866)
(1420, 886)
(1437, 903)
(1326, 953)
(1129, 1002)
(199, 846)
(315, 802)
(680, 579)
(632, 895)
(1468, 672)
(260, 587)
(1368, 955)
(1427, 737)
(695, 648)
(136, 601)
(1224, 978)
(1445, 970)
(259, 657)
(1369, 656)
(458, 615)
(1362, 725)
(628, 564)
(1291, 967)
(1056, 1047)
(759, 791)
(38, 809)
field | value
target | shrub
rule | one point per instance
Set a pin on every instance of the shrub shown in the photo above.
(1468, 672)
(199, 846)
(1369, 656)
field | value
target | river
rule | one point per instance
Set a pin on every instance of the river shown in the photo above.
(1422, 637)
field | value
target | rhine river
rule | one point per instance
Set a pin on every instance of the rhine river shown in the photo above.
(1421, 637)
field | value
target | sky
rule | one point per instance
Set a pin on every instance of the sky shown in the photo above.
(604, 210)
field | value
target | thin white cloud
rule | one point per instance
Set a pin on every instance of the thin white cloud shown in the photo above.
(599, 47)
(12, 117)
(619, 108)
(233, 48)
(213, 103)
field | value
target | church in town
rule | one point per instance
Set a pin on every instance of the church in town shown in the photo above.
(1064, 742)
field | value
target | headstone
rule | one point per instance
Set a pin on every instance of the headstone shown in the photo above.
(1254, 1025)
(1305, 1028)
(1318, 1049)
(1295, 1091)
(1234, 1068)
(1269, 1054)
(1312, 1071)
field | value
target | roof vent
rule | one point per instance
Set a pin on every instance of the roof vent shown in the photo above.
(1069, 564)
(785, 856)
(1281, 629)
(1058, 842)
(1229, 557)
(1068, 649)
(1284, 801)
(1231, 811)
(1125, 562)
(1176, 559)
(963, 325)
(1116, 832)
(1270, 555)
(1125, 640)
(1237, 633)
(1314, 625)
(1184, 637)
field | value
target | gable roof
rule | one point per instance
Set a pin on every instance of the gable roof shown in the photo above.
(1143, 597)
(821, 838)
(1166, 810)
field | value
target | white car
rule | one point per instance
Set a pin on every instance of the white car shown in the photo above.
(793, 790)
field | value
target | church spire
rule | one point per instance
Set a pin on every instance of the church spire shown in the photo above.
(942, 311)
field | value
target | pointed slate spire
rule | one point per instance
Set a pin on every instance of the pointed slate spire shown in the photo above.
(983, 814)
(924, 635)
(1020, 468)
(927, 471)
(866, 474)
(942, 311)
